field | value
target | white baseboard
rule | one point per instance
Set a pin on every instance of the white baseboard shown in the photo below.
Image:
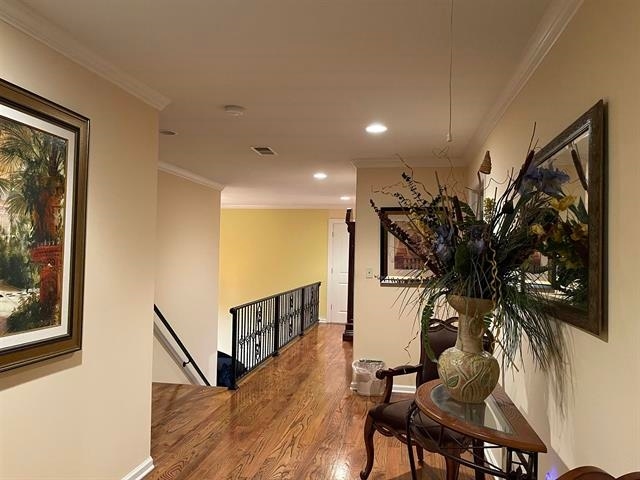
(396, 388)
(404, 389)
(140, 471)
(322, 320)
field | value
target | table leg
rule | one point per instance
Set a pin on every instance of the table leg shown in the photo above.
(412, 462)
(509, 461)
(533, 474)
(478, 458)
(527, 465)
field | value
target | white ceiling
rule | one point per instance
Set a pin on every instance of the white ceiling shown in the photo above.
(311, 75)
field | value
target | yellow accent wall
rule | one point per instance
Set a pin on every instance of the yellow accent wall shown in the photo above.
(263, 252)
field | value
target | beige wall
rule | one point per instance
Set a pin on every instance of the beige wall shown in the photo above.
(165, 368)
(188, 232)
(87, 415)
(597, 56)
(382, 328)
(263, 252)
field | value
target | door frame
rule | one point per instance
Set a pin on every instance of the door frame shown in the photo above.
(331, 223)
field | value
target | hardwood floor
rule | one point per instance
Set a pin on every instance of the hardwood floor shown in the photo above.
(293, 419)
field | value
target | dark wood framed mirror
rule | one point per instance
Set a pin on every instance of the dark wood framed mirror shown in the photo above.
(580, 152)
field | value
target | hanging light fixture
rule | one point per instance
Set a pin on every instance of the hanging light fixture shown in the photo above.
(449, 134)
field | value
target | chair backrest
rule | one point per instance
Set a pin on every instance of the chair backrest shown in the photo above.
(442, 335)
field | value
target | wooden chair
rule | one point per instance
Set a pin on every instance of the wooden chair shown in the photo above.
(595, 473)
(390, 418)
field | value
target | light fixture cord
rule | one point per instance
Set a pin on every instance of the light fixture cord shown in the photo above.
(449, 136)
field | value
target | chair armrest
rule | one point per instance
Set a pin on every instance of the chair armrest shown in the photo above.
(389, 373)
(401, 370)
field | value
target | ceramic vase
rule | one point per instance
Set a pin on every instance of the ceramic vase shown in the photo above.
(468, 372)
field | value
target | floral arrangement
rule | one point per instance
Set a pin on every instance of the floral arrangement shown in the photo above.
(488, 253)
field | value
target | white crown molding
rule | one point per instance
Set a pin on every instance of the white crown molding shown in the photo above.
(394, 162)
(551, 26)
(141, 471)
(30, 22)
(189, 175)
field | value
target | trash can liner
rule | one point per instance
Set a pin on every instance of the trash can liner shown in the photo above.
(364, 377)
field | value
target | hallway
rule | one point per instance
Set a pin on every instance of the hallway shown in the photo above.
(293, 419)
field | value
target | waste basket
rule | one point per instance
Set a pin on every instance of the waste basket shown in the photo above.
(364, 377)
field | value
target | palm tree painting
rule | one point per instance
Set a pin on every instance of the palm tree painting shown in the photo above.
(44, 162)
(32, 192)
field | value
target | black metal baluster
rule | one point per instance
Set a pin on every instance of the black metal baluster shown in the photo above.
(254, 331)
(258, 331)
(276, 334)
(234, 348)
(316, 309)
(273, 326)
(245, 353)
(304, 303)
(265, 330)
(244, 336)
(290, 318)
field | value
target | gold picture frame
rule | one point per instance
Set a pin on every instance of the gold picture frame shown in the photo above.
(44, 150)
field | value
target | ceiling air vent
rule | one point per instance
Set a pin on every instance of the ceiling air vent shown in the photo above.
(264, 150)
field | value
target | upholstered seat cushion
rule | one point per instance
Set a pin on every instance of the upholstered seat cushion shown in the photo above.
(394, 416)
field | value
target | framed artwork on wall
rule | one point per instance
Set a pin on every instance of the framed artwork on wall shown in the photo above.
(43, 195)
(578, 295)
(398, 265)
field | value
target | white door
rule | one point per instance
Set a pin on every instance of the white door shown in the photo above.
(338, 272)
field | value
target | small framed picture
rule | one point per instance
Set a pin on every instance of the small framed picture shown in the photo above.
(398, 265)
(43, 194)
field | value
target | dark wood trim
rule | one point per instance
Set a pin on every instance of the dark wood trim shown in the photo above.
(347, 336)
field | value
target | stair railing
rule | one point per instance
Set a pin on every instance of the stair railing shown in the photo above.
(177, 355)
(262, 327)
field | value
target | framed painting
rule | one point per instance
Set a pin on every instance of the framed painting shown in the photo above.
(398, 265)
(43, 193)
(578, 295)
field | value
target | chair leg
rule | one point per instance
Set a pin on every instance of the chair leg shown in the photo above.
(369, 430)
(420, 451)
(452, 468)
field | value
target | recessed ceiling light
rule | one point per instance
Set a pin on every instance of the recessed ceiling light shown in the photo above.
(345, 198)
(320, 175)
(376, 128)
(169, 133)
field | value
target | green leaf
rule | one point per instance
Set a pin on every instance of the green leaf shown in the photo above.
(452, 382)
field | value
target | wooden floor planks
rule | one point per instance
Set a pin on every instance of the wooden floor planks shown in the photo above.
(293, 419)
